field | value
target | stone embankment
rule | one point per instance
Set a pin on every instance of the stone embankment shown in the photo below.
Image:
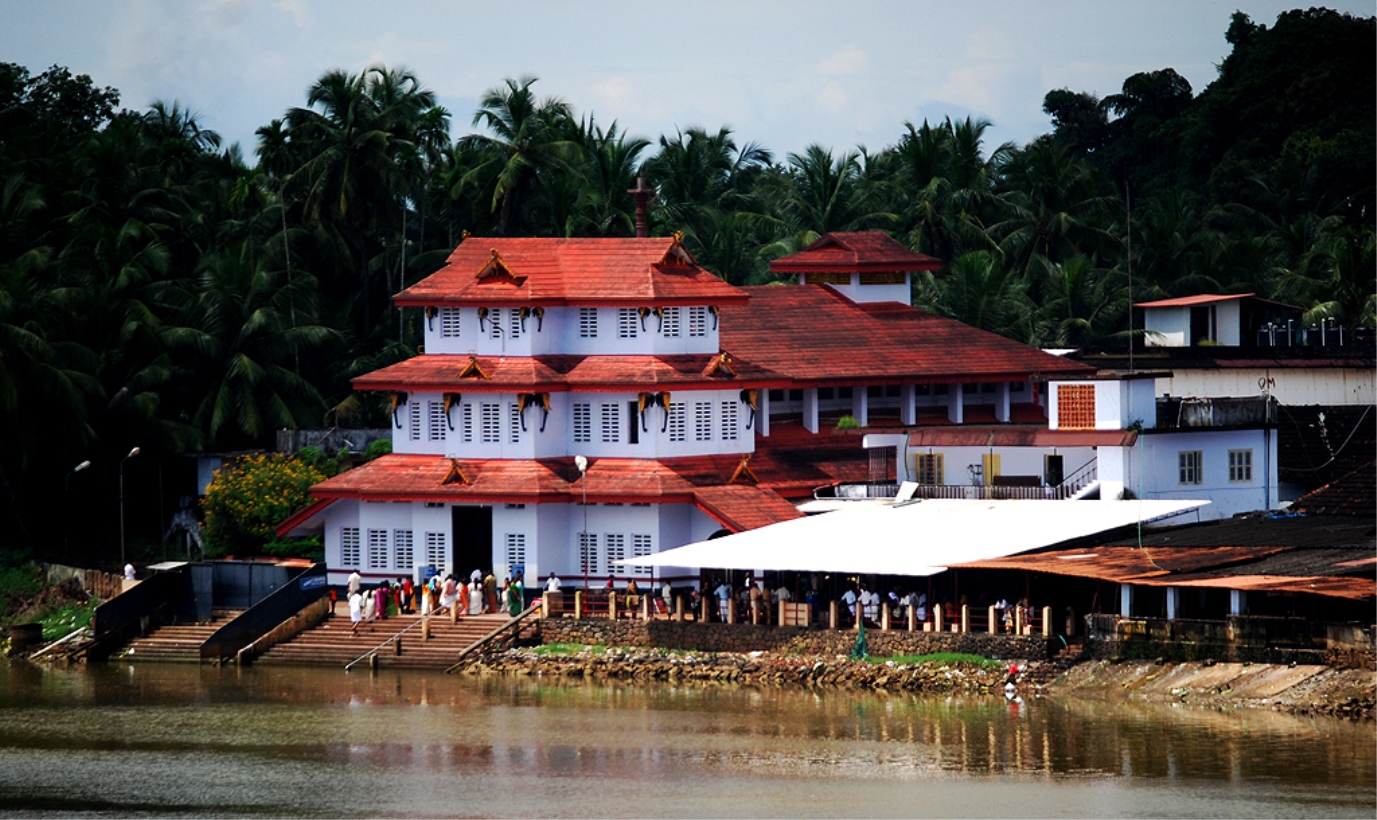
(759, 669)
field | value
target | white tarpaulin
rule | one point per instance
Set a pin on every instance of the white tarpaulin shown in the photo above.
(920, 538)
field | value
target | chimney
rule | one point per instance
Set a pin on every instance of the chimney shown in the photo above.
(643, 195)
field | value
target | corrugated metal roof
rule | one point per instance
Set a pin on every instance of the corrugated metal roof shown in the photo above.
(1190, 301)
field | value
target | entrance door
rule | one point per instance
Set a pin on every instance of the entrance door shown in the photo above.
(472, 539)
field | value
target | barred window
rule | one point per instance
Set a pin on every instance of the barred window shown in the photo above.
(698, 321)
(670, 328)
(377, 549)
(1240, 465)
(588, 554)
(449, 323)
(583, 422)
(702, 421)
(406, 553)
(588, 323)
(415, 432)
(627, 321)
(515, 323)
(435, 429)
(1190, 464)
(729, 421)
(678, 413)
(640, 548)
(516, 422)
(515, 548)
(614, 544)
(466, 422)
(435, 549)
(929, 468)
(349, 547)
(611, 423)
(490, 422)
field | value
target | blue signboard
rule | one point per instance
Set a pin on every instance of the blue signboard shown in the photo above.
(313, 582)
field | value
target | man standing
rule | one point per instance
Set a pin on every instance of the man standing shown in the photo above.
(724, 595)
(553, 584)
(355, 582)
(849, 601)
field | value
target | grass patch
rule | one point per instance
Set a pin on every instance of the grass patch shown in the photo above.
(62, 621)
(555, 649)
(946, 658)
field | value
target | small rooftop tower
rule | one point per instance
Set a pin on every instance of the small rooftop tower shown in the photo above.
(863, 267)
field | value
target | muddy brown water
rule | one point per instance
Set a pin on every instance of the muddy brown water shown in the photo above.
(164, 739)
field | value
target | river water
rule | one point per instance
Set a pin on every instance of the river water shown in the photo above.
(165, 739)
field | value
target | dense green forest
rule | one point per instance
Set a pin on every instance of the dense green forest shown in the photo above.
(163, 291)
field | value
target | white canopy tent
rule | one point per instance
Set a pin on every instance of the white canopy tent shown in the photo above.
(917, 538)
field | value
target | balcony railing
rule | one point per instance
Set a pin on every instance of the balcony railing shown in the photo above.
(1080, 479)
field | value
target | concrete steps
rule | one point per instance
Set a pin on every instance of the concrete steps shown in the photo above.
(177, 643)
(331, 643)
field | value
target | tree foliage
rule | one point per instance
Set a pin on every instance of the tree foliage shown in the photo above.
(247, 499)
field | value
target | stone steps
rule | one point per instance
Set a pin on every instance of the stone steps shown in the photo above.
(178, 642)
(331, 643)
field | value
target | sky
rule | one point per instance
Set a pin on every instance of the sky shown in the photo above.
(781, 73)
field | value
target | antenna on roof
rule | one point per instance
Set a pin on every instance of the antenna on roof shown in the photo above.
(642, 195)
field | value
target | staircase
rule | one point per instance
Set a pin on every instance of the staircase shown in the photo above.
(177, 643)
(330, 643)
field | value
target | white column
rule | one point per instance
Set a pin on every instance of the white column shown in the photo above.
(956, 407)
(1173, 602)
(908, 411)
(1002, 402)
(860, 404)
(810, 409)
(1238, 602)
(762, 413)
(1125, 600)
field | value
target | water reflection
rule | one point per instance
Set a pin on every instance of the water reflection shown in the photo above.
(171, 739)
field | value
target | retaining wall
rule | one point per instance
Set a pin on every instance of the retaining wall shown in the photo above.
(1238, 639)
(748, 638)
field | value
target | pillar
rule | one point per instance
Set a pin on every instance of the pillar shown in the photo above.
(578, 605)
(612, 604)
(908, 407)
(912, 617)
(860, 404)
(425, 627)
(1018, 620)
(832, 615)
(1070, 622)
(762, 413)
(884, 616)
(992, 626)
(731, 610)
(1238, 602)
(810, 409)
(956, 404)
(782, 610)
(679, 608)
(1047, 622)
(706, 601)
(1125, 600)
(1002, 402)
(936, 617)
(1173, 602)
(545, 604)
(965, 619)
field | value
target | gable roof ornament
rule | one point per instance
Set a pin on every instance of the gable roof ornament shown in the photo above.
(472, 369)
(495, 267)
(743, 471)
(455, 474)
(721, 365)
(677, 256)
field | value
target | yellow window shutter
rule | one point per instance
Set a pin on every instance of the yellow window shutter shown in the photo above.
(991, 465)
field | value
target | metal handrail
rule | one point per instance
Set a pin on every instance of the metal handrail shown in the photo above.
(391, 639)
(488, 638)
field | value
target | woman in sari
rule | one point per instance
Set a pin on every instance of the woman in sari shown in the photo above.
(516, 597)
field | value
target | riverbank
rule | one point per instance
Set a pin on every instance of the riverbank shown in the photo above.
(1296, 689)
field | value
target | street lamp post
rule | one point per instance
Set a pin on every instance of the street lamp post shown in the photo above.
(582, 463)
(132, 453)
(66, 508)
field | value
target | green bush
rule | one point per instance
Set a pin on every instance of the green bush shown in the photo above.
(848, 422)
(247, 500)
(381, 447)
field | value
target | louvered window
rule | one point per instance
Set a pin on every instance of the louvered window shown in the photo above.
(729, 421)
(377, 549)
(588, 554)
(435, 429)
(698, 321)
(514, 323)
(515, 414)
(611, 423)
(702, 421)
(615, 545)
(627, 322)
(583, 422)
(588, 323)
(678, 429)
(435, 549)
(415, 433)
(515, 549)
(670, 328)
(466, 422)
(406, 553)
(349, 547)
(640, 548)
(490, 421)
(929, 468)
(495, 323)
(449, 323)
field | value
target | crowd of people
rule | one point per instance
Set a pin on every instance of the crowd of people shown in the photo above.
(479, 594)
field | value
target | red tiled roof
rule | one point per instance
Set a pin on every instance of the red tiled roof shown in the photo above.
(1352, 494)
(740, 508)
(968, 436)
(811, 333)
(506, 374)
(854, 253)
(535, 271)
(1190, 301)
(304, 515)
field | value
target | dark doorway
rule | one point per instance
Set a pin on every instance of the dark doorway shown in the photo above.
(472, 539)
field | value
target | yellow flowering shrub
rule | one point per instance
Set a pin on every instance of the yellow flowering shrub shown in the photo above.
(246, 500)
